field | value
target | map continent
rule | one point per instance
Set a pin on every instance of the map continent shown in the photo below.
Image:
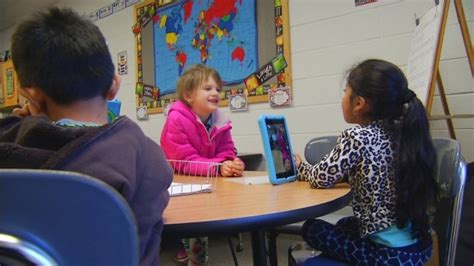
(219, 33)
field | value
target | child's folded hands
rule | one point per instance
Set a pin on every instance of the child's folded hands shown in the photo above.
(232, 167)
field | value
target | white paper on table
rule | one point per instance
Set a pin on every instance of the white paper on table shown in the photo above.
(251, 180)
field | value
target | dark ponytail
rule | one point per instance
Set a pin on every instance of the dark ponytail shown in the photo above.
(402, 114)
(415, 186)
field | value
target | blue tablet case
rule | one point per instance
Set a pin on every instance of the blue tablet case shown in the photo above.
(277, 148)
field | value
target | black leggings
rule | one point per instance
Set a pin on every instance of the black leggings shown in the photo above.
(342, 242)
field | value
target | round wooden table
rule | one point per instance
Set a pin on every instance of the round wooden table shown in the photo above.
(237, 207)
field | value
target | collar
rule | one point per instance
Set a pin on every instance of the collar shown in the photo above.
(209, 123)
(66, 122)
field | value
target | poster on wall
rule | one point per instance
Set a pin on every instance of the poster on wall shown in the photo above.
(280, 97)
(251, 57)
(10, 87)
(219, 34)
(142, 113)
(118, 5)
(94, 16)
(131, 2)
(122, 63)
(238, 103)
(106, 11)
(110, 9)
(364, 2)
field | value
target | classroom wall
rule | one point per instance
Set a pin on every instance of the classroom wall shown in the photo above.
(327, 37)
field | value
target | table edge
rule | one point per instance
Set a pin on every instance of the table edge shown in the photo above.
(258, 222)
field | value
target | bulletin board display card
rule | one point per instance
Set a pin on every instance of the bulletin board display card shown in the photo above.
(246, 41)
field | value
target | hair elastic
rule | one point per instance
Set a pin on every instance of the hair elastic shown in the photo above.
(408, 95)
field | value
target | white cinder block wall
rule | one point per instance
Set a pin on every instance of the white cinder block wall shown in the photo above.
(327, 37)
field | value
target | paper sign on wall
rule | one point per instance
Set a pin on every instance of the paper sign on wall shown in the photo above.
(364, 2)
(238, 102)
(122, 63)
(93, 16)
(118, 5)
(279, 96)
(105, 11)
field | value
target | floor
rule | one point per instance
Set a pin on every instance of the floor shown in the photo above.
(220, 253)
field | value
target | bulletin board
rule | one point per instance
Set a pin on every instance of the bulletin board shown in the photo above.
(247, 42)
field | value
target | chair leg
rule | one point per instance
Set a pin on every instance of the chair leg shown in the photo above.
(231, 245)
(272, 248)
(434, 261)
(291, 259)
(240, 245)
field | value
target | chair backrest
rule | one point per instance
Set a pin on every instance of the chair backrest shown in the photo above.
(451, 177)
(64, 218)
(318, 147)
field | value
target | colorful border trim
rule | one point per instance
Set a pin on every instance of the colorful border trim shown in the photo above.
(255, 86)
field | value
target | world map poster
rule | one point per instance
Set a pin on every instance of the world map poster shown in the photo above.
(219, 33)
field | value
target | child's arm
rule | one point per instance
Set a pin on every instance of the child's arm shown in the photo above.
(226, 147)
(31, 106)
(298, 160)
(333, 166)
(27, 110)
(233, 166)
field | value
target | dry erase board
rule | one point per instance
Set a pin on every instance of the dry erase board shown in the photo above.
(425, 50)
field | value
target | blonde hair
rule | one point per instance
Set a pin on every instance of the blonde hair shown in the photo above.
(192, 78)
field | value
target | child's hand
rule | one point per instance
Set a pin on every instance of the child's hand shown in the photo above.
(238, 167)
(26, 110)
(232, 168)
(297, 160)
(226, 168)
(30, 107)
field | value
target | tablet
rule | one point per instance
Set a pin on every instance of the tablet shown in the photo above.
(277, 149)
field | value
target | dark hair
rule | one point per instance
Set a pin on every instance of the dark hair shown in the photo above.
(64, 55)
(385, 87)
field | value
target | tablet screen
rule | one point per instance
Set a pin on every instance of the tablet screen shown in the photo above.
(280, 147)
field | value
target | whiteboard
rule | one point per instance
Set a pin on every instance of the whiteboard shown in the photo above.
(421, 60)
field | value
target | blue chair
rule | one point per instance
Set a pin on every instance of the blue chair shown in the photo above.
(63, 218)
(317, 148)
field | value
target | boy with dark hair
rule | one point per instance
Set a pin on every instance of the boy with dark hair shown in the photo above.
(67, 75)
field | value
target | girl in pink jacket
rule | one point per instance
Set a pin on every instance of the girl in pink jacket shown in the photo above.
(196, 130)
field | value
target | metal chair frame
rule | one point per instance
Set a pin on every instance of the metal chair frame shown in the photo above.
(314, 151)
(451, 177)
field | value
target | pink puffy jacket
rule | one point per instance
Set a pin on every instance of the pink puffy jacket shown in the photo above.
(184, 137)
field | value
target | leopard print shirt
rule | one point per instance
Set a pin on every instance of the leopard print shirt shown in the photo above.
(364, 155)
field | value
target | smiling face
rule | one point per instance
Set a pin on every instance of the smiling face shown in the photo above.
(205, 99)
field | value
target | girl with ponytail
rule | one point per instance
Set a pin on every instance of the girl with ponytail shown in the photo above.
(388, 160)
